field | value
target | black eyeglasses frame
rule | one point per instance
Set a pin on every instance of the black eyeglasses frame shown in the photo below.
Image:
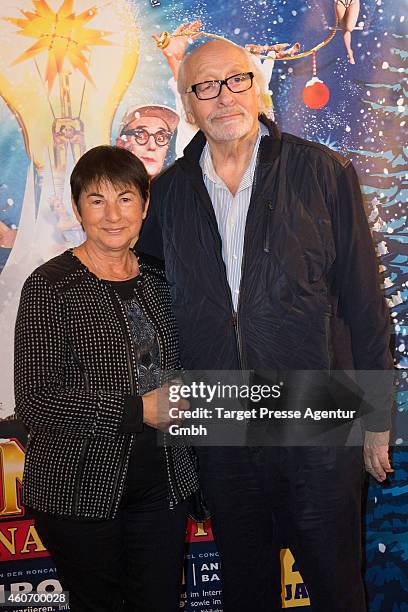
(221, 82)
(135, 131)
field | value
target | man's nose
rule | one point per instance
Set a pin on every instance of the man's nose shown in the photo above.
(151, 143)
(226, 96)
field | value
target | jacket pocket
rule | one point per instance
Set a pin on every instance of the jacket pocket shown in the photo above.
(270, 207)
(78, 477)
(328, 318)
(80, 366)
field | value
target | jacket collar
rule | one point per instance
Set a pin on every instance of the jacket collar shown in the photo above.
(269, 148)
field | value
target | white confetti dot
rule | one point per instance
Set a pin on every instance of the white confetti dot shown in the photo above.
(237, 30)
(385, 65)
(348, 128)
(381, 547)
(10, 201)
(399, 441)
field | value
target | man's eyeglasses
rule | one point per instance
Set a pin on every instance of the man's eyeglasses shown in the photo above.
(212, 89)
(161, 137)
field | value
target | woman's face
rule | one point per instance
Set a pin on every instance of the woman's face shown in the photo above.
(150, 154)
(111, 216)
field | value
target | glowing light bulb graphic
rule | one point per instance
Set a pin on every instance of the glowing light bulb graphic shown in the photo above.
(62, 78)
(64, 67)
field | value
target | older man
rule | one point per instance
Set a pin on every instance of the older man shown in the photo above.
(271, 266)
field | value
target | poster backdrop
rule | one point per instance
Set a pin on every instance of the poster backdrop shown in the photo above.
(78, 73)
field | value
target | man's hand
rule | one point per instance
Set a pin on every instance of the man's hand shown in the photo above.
(376, 459)
(7, 236)
(157, 406)
(175, 50)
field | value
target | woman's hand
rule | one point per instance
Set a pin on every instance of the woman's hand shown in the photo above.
(159, 412)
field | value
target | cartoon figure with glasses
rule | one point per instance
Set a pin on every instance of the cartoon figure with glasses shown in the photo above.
(146, 131)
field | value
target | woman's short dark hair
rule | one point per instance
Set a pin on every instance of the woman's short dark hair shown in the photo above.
(109, 164)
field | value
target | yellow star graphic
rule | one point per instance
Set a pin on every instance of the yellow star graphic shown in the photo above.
(62, 34)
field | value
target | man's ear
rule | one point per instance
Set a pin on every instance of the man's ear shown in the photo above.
(190, 117)
(188, 114)
(257, 90)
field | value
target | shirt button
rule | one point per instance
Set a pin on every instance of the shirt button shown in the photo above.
(235, 256)
(236, 291)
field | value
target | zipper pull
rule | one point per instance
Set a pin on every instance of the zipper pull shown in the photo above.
(270, 205)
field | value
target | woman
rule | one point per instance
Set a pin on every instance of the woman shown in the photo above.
(95, 338)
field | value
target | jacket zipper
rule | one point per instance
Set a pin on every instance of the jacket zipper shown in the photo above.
(202, 194)
(235, 315)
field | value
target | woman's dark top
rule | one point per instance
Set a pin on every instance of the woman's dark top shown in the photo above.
(146, 480)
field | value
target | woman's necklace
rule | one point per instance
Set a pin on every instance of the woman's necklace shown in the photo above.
(127, 275)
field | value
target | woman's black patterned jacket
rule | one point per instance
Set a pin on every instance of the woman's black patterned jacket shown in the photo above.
(77, 391)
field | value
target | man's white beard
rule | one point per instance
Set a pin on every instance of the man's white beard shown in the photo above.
(238, 128)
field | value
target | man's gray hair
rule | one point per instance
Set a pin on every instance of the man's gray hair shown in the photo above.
(253, 65)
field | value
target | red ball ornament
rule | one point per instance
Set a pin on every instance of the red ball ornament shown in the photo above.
(316, 94)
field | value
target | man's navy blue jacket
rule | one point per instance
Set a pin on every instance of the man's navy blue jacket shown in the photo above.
(310, 296)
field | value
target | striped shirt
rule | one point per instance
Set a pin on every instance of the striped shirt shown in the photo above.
(231, 212)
